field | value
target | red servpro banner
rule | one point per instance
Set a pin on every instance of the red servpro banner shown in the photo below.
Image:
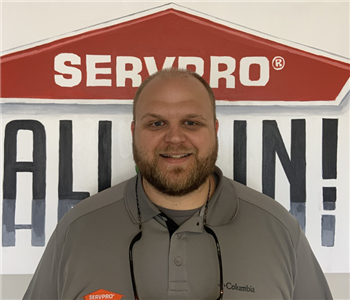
(111, 62)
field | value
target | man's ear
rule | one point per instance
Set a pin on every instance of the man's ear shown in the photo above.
(216, 125)
(132, 127)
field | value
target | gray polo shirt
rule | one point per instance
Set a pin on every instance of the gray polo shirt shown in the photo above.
(264, 252)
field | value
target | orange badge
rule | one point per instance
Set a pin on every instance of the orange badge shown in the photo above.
(103, 295)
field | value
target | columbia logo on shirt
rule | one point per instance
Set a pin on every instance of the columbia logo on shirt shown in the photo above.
(236, 287)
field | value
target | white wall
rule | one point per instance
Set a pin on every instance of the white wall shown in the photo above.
(323, 25)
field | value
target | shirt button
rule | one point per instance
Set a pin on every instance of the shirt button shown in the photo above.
(178, 261)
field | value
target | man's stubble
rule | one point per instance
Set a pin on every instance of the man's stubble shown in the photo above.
(176, 180)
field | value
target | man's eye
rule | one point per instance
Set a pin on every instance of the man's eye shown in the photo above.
(157, 123)
(189, 123)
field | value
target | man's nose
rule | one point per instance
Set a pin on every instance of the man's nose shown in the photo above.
(175, 135)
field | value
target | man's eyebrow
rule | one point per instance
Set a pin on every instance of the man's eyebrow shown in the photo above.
(195, 116)
(188, 116)
(151, 115)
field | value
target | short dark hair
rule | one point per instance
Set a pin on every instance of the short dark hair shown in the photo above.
(170, 73)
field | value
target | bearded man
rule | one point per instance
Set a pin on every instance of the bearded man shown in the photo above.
(179, 229)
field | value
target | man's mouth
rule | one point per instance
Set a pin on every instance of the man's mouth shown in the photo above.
(175, 155)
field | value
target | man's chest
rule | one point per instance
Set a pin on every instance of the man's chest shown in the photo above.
(185, 266)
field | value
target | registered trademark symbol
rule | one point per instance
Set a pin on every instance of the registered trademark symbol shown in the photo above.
(278, 63)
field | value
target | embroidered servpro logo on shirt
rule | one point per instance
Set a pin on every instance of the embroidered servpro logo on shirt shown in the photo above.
(103, 295)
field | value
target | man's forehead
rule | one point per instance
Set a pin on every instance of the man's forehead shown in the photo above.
(177, 86)
(183, 79)
(172, 89)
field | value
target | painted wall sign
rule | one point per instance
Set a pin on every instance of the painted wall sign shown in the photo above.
(109, 63)
(66, 124)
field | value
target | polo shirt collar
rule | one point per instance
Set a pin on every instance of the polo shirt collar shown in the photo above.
(223, 205)
(222, 208)
(147, 208)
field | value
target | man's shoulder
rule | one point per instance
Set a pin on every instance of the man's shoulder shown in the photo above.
(252, 199)
(101, 200)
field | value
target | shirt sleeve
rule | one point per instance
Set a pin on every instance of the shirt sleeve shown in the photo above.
(44, 284)
(310, 281)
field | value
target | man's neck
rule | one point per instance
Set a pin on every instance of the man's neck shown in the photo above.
(189, 201)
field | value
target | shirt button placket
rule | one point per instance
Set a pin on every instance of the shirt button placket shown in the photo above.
(178, 261)
(178, 285)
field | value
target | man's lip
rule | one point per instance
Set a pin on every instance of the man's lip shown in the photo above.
(175, 155)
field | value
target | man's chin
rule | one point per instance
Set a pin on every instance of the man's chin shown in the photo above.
(174, 176)
(175, 183)
(174, 171)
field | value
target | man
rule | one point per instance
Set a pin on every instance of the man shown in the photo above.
(179, 229)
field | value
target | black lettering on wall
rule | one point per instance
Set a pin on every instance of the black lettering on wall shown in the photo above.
(104, 155)
(329, 160)
(328, 230)
(240, 152)
(329, 197)
(294, 167)
(329, 171)
(38, 169)
(67, 198)
(329, 148)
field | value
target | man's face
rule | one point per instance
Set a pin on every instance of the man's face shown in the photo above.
(174, 135)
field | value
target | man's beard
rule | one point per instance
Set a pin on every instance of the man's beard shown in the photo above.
(177, 180)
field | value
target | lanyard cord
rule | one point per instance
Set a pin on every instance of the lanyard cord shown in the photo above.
(139, 235)
(138, 204)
